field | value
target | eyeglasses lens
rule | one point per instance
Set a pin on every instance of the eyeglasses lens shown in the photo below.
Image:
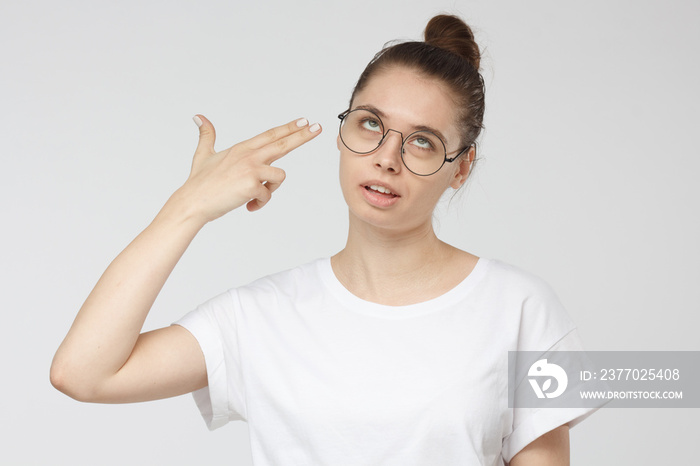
(362, 131)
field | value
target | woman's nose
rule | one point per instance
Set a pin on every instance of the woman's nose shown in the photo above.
(388, 154)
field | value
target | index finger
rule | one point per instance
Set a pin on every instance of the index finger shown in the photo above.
(285, 145)
(275, 134)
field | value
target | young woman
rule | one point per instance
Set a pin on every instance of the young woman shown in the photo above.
(393, 351)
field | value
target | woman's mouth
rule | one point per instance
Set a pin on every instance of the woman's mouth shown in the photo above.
(379, 196)
(381, 190)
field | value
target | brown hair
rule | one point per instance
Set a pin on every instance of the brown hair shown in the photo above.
(450, 54)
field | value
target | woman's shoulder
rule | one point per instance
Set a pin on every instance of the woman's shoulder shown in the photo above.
(308, 272)
(515, 278)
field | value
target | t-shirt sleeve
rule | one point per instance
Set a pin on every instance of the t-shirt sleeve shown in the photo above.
(213, 324)
(545, 326)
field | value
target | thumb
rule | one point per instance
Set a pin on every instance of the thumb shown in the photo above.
(207, 135)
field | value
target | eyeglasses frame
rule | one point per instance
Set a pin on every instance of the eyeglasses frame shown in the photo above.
(343, 115)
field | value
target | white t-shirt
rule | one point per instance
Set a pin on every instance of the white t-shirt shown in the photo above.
(325, 378)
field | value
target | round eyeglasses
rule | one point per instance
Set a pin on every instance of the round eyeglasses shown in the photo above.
(423, 153)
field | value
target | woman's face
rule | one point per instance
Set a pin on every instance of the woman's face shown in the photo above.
(406, 102)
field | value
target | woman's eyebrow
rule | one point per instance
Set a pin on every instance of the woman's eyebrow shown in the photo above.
(382, 115)
(372, 109)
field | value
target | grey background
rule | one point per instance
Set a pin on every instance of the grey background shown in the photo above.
(588, 180)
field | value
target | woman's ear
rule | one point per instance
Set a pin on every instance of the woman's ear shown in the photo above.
(464, 168)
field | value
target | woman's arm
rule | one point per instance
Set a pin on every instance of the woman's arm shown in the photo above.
(104, 358)
(94, 354)
(551, 449)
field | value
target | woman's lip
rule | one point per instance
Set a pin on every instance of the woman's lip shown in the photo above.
(383, 185)
(379, 199)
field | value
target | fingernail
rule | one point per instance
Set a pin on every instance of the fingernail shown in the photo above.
(302, 122)
(315, 127)
(197, 121)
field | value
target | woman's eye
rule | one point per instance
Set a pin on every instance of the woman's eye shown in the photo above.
(423, 143)
(372, 125)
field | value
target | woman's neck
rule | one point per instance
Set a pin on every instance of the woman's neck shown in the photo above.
(398, 268)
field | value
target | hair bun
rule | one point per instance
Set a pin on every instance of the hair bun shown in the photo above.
(452, 34)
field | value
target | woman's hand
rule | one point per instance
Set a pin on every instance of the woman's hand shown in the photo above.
(104, 357)
(242, 174)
